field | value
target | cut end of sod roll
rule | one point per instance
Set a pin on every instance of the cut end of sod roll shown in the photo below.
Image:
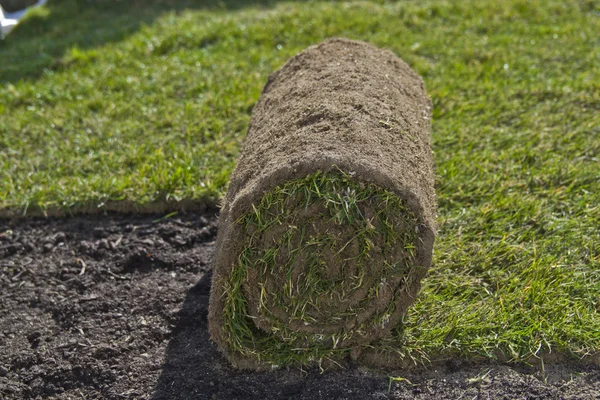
(328, 224)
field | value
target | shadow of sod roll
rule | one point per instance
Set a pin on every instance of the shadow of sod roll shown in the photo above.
(327, 227)
(15, 5)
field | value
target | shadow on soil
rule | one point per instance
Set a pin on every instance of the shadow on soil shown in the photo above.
(40, 41)
(194, 368)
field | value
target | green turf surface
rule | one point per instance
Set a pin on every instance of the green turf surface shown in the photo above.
(148, 101)
(331, 257)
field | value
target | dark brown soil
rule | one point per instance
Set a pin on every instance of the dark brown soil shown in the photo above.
(115, 307)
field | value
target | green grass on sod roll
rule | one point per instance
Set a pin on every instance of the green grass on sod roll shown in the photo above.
(148, 102)
(294, 239)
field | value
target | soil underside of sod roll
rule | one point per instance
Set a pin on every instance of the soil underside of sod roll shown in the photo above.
(328, 223)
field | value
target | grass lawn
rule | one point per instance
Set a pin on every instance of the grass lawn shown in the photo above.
(149, 101)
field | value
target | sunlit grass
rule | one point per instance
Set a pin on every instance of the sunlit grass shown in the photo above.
(152, 103)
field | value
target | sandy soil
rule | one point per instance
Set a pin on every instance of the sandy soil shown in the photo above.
(115, 307)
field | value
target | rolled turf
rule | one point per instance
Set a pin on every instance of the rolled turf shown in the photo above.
(327, 227)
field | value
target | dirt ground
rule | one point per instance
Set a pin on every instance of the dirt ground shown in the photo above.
(115, 307)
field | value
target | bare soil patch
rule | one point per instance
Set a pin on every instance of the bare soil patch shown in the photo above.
(115, 307)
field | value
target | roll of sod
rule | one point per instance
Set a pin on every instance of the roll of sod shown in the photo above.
(327, 226)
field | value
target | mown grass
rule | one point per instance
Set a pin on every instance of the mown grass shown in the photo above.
(154, 104)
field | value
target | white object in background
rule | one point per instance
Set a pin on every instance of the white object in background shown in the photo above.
(8, 20)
